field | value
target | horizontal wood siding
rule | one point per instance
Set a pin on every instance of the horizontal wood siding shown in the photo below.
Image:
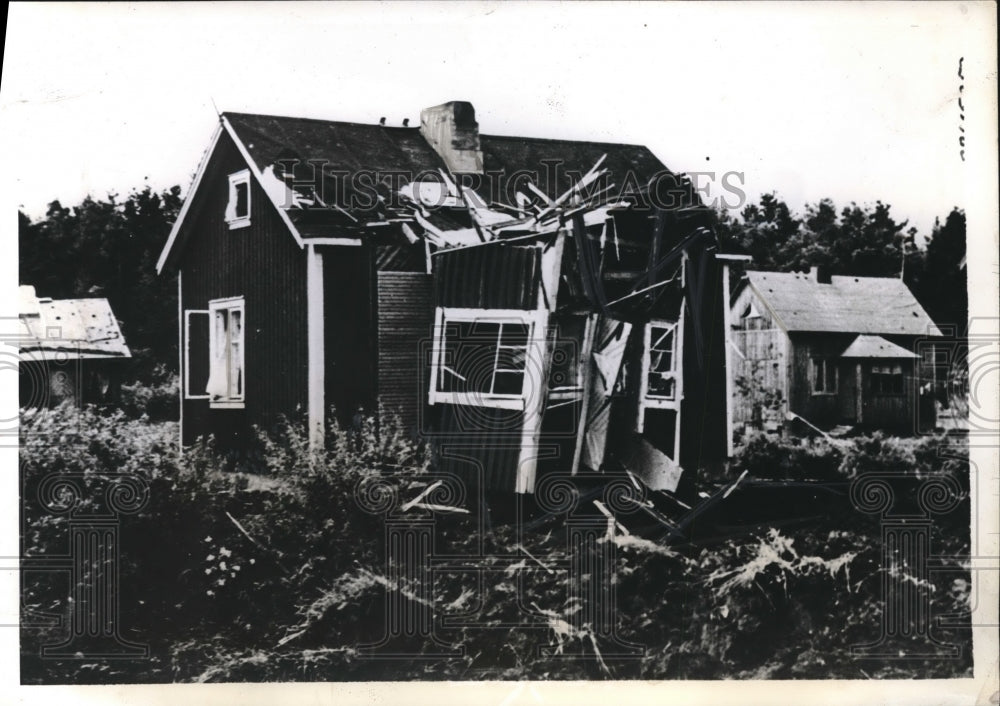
(262, 263)
(405, 330)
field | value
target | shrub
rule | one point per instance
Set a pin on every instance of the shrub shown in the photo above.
(157, 400)
(274, 572)
(773, 458)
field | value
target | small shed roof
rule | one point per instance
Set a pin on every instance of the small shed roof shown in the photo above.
(68, 328)
(865, 346)
(868, 305)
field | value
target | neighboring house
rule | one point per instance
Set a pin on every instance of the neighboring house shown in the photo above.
(70, 349)
(520, 302)
(828, 352)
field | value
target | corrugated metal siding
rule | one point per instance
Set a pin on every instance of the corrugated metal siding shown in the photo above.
(405, 328)
(262, 263)
(488, 277)
(480, 444)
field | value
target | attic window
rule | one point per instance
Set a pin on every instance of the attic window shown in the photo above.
(238, 208)
(485, 357)
(751, 312)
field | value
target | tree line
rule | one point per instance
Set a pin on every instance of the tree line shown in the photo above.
(862, 241)
(109, 248)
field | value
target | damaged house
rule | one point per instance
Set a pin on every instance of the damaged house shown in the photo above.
(829, 353)
(527, 305)
(70, 350)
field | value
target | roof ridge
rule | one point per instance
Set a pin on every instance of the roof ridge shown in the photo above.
(319, 120)
(563, 140)
(412, 128)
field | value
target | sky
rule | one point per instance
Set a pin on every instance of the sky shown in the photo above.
(853, 102)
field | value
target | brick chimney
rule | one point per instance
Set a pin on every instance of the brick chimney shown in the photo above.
(820, 274)
(452, 130)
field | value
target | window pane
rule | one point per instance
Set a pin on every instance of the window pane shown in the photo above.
(660, 386)
(508, 383)
(514, 334)
(469, 356)
(242, 209)
(831, 376)
(511, 359)
(235, 346)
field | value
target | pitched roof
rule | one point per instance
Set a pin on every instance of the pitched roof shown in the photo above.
(390, 157)
(356, 146)
(348, 146)
(869, 305)
(866, 346)
(68, 328)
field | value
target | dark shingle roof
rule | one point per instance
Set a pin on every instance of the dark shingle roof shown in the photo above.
(869, 305)
(347, 146)
(355, 146)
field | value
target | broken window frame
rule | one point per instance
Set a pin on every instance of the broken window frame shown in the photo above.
(647, 401)
(887, 380)
(188, 313)
(535, 320)
(234, 218)
(233, 357)
(817, 377)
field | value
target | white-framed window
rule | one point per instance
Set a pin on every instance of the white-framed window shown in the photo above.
(824, 376)
(238, 207)
(486, 357)
(887, 379)
(660, 364)
(660, 382)
(226, 353)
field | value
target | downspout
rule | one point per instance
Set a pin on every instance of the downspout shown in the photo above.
(316, 349)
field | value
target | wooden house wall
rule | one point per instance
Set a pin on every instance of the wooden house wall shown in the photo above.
(761, 363)
(262, 263)
(349, 346)
(405, 329)
(825, 410)
(895, 413)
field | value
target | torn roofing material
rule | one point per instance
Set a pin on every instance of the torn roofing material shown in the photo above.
(869, 305)
(73, 328)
